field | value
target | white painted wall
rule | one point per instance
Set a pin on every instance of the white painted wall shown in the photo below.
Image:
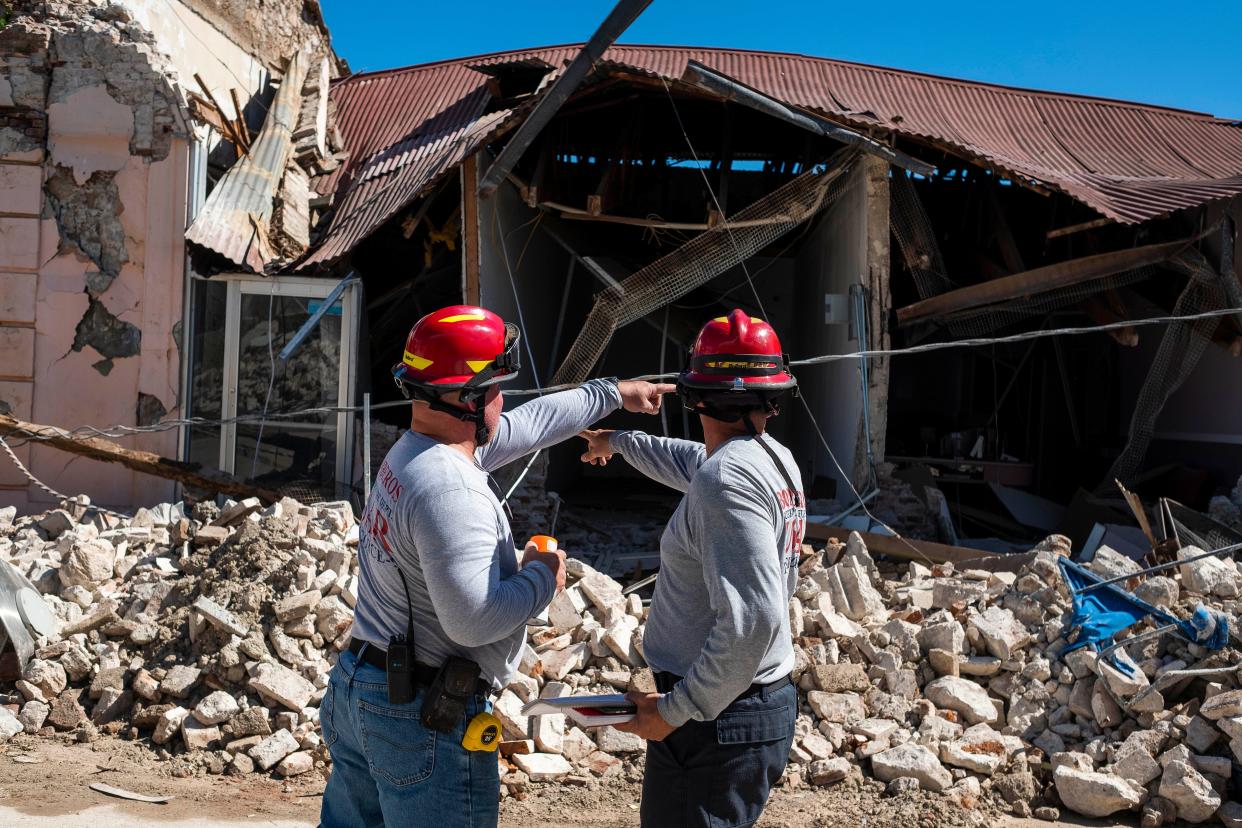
(195, 46)
(832, 258)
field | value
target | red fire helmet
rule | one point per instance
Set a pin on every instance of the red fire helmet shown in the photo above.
(457, 346)
(738, 352)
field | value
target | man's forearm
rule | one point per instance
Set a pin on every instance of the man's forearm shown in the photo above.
(668, 461)
(549, 420)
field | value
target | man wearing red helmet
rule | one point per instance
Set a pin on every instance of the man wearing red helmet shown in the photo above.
(443, 597)
(721, 726)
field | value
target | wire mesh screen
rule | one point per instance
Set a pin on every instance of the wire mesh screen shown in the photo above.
(1194, 529)
(703, 258)
(1180, 350)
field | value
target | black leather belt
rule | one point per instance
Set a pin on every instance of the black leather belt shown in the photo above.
(665, 682)
(424, 674)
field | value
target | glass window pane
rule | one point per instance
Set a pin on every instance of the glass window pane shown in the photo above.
(296, 456)
(208, 307)
(311, 377)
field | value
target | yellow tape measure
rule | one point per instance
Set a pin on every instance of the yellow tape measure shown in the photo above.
(483, 733)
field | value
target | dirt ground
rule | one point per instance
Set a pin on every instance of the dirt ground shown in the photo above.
(45, 783)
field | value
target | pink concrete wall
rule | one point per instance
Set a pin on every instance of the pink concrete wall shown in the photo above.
(43, 296)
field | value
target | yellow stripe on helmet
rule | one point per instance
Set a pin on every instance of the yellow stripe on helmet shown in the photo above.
(415, 361)
(463, 317)
(477, 365)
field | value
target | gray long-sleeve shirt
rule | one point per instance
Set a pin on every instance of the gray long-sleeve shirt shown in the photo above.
(728, 566)
(432, 513)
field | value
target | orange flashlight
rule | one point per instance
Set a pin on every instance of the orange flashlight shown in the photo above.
(544, 543)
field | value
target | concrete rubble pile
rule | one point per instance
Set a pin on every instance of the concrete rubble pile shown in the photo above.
(208, 633)
(212, 635)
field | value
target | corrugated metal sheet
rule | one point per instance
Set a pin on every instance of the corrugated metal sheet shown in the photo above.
(1130, 162)
(234, 220)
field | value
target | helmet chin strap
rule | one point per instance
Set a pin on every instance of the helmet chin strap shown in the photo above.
(705, 403)
(478, 416)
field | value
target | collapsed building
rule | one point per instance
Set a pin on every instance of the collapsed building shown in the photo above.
(860, 208)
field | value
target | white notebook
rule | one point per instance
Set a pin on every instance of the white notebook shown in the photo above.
(585, 711)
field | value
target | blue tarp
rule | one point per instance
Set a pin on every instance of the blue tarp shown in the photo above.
(1099, 614)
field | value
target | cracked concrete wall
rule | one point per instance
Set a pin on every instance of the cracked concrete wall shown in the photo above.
(93, 165)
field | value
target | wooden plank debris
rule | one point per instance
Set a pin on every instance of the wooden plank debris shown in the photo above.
(906, 549)
(96, 448)
(1040, 280)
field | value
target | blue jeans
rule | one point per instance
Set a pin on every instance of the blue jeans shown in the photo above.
(717, 774)
(387, 769)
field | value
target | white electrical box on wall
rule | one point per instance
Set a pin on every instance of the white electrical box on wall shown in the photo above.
(836, 308)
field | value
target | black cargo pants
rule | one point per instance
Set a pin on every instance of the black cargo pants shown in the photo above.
(718, 773)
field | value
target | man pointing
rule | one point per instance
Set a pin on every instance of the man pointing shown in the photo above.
(720, 728)
(443, 597)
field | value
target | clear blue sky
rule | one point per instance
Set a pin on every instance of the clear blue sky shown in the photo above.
(1185, 54)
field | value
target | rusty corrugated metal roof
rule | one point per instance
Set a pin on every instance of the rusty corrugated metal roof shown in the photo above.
(233, 221)
(1131, 162)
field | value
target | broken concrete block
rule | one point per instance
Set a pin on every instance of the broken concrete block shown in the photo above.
(979, 666)
(943, 635)
(279, 683)
(576, 745)
(543, 767)
(219, 617)
(1109, 563)
(296, 606)
(1158, 590)
(962, 696)
(1208, 576)
(549, 733)
(33, 714)
(843, 708)
(840, 678)
(48, 676)
(1136, 765)
(604, 592)
(198, 736)
(853, 594)
(112, 704)
(1186, 788)
(559, 663)
(1095, 794)
(565, 611)
(272, 749)
(211, 536)
(296, 764)
(1104, 708)
(1003, 634)
(66, 712)
(611, 740)
(54, 523)
(508, 708)
(179, 681)
(946, 593)
(233, 513)
(169, 724)
(1227, 704)
(88, 563)
(252, 721)
(10, 725)
(216, 708)
(975, 761)
(914, 761)
(827, 771)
